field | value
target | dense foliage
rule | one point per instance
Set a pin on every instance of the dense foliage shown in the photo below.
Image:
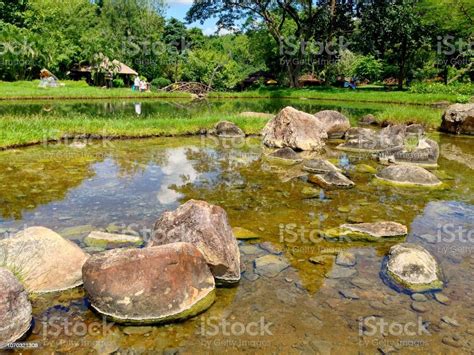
(401, 41)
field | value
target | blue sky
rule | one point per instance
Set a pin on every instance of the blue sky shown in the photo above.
(179, 8)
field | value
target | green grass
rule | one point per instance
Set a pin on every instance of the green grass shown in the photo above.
(25, 130)
(365, 94)
(80, 89)
(72, 89)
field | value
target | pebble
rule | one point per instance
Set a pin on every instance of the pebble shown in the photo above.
(250, 276)
(450, 321)
(441, 298)
(450, 341)
(345, 258)
(419, 297)
(350, 294)
(419, 307)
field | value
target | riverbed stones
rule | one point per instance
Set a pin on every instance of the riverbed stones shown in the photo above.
(45, 261)
(284, 156)
(412, 268)
(331, 181)
(334, 123)
(346, 258)
(295, 129)
(319, 166)
(425, 152)
(270, 265)
(441, 298)
(110, 240)
(207, 227)
(408, 176)
(389, 139)
(15, 309)
(228, 129)
(377, 231)
(459, 119)
(149, 285)
(341, 272)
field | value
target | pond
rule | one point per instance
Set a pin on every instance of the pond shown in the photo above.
(124, 186)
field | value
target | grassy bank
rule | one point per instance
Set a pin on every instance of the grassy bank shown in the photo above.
(18, 130)
(369, 94)
(23, 90)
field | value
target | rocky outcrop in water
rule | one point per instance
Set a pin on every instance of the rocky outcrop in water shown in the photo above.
(228, 129)
(334, 123)
(425, 152)
(412, 268)
(377, 231)
(331, 180)
(149, 285)
(45, 261)
(15, 309)
(319, 166)
(284, 156)
(295, 129)
(459, 119)
(408, 175)
(367, 140)
(207, 227)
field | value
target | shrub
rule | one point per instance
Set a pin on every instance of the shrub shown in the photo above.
(118, 83)
(463, 99)
(367, 67)
(160, 82)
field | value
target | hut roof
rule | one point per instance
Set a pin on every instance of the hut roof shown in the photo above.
(121, 68)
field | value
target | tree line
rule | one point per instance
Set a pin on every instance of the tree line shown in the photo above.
(331, 41)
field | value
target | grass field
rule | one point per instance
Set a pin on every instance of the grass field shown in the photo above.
(78, 90)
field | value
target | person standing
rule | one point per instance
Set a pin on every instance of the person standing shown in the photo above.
(136, 83)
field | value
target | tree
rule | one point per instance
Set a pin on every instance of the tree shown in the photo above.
(12, 11)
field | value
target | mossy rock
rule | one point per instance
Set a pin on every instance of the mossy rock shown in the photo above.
(367, 232)
(365, 169)
(108, 240)
(244, 234)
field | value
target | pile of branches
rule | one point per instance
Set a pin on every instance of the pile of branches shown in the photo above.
(190, 87)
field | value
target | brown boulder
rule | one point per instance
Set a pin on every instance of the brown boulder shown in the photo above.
(334, 123)
(228, 129)
(15, 309)
(459, 119)
(149, 285)
(207, 227)
(45, 261)
(294, 129)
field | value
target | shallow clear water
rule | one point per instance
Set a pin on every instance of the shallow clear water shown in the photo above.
(130, 183)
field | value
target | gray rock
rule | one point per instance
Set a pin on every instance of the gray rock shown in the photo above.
(424, 153)
(441, 298)
(345, 258)
(15, 309)
(270, 248)
(270, 265)
(333, 122)
(250, 249)
(228, 129)
(459, 119)
(419, 307)
(349, 293)
(413, 268)
(319, 166)
(368, 120)
(207, 227)
(367, 231)
(294, 129)
(331, 181)
(419, 297)
(408, 175)
(286, 156)
(340, 272)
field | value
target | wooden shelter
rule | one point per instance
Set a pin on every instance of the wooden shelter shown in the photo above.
(106, 68)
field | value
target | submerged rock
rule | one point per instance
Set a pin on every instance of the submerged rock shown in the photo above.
(284, 156)
(150, 285)
(412, 268)
(207, 227)
(270, 265)
(103, 240)
(341, 272)
(15, 309)
(228, 129)
(294, 129)
(367, 231)
(331, 180)
(244, 234)
(45, 261)
(334, 123)
(319, 166)
(346, 258)
(408, 175)
(458, 119)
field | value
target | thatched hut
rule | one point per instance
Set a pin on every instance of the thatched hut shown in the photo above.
(104, 71)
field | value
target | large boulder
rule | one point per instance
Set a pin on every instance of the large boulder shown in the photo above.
(334, 123)
(377, 231)
(459, 119)
(15, 309)
(228, 129)
(149, 285)
(295, 129)
(207, 227)
(425, 152)
(412, 268)
(389, 139)
(408, 175)
(45, 261)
